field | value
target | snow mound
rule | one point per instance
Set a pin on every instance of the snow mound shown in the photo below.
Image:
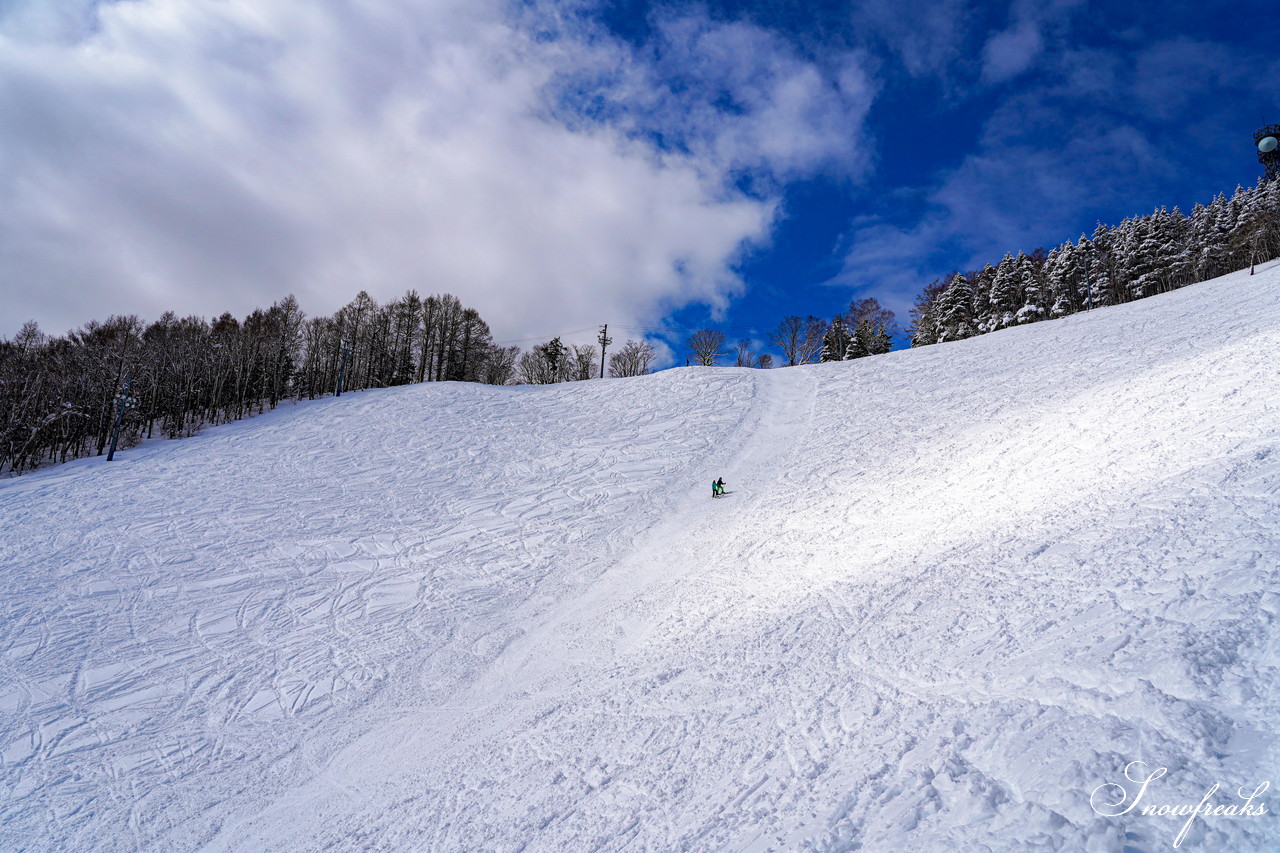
(952, 593)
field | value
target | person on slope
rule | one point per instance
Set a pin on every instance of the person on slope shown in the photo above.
(717, 488)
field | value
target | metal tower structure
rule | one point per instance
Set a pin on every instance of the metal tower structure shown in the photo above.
(1268, 141)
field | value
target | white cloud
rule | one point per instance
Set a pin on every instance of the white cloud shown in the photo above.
(1011, 52)
(1011, 194)
(789, 115)
(65, 21)
(1088, 133)
(202, 157)
(926, 36)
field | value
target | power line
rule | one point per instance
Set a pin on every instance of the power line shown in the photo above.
(543, 338)
(686, 330)
(642, 330)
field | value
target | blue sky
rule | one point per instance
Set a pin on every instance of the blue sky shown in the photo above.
(561, 165)
(1002, 127)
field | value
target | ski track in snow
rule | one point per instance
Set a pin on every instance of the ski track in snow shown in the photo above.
(951, 592)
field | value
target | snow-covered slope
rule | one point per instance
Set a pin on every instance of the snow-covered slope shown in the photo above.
(951, 593)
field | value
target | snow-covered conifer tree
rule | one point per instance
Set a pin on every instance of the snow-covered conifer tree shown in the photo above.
(1005, 298)
(955, 311)
(924, 325)
(835, 343)
(1063, 274)
(1034, 294)
(882, 341)
(1176, 250)
(982, 322)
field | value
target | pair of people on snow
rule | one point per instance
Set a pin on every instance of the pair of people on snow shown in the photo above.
(717, 488)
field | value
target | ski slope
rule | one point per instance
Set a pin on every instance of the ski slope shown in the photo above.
(951, 593)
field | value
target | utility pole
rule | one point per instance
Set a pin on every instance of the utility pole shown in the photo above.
(605, 340)
(126, 401)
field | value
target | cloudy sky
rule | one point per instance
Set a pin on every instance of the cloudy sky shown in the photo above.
(561, 165)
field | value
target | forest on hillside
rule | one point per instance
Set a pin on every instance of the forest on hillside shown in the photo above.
(62, 397)
(1140, 257)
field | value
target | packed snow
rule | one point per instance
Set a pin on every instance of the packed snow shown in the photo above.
(953, 595)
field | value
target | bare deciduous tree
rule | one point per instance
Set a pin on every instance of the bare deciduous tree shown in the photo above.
(539, 366)
(60, 397)
(500, 365)
(799, 338)
(706, 344)
(871, 313)
(634, 359)
(582, 363)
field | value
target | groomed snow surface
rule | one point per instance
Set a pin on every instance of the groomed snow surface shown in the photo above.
(951, 593)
